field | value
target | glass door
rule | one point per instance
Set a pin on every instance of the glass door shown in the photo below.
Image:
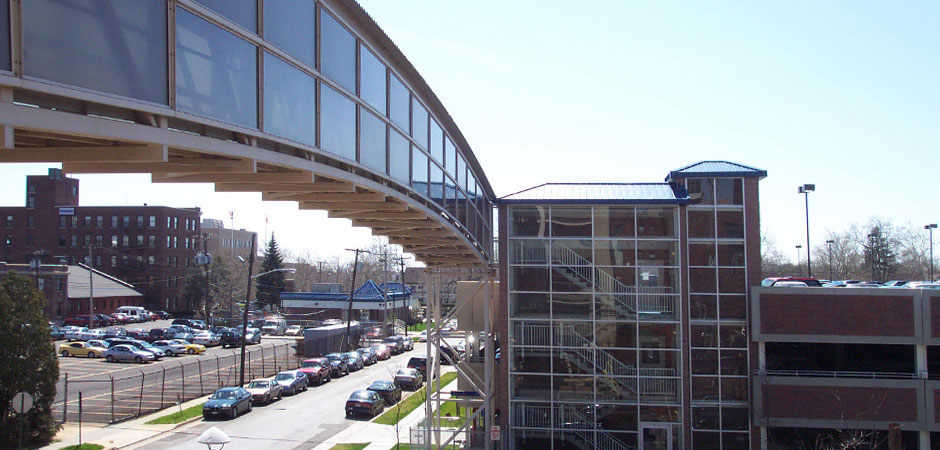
(655, 436)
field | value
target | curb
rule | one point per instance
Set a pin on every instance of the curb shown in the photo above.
(159, 433)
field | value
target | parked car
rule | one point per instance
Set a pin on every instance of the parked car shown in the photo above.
(80, 349)
(274, 325)
(393, 345)
(83, 321)
(206, 338)
(407, 345)
(338, 364)
(140, 345)
(227, 402)
(162, 314)
(123, 352)
(364, 401)
(420, 363)
(138, 333)
(382, 352)
(264, 390)
(170, 348)
(410, 378)
(353, 360)
(389, 391)
(318, 370)
(423, 336)
(185, 322)
(106, 320)
(192, 349)
(232, 338)
(294, 330)
(292, 381)
(138, 313)
(199, 324)
(115, 332)
(253, 336)
(91, 334)
(774, 281)
(368, 356)
(56, 333)
(98, 343)
(72, 333)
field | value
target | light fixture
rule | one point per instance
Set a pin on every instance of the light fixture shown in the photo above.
(805, 190)
(214, 438)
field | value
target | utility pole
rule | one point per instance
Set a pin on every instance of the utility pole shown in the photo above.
(319, 272)
(91, 292)
(205, 251)
(251, 262)
(385, 292)
(352, 290)
(401, 261)
(829, 243)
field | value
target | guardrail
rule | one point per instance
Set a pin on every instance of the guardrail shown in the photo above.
(837, 374)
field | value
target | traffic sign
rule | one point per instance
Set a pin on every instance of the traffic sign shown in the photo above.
(22, 402)
(494, 432)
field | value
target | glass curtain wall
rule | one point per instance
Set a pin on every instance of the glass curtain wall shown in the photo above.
(594, 324)
(718, 313)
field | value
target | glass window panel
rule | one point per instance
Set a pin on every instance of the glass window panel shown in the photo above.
(667, 361)
(371, 79)
(731, 255)
(529, 305)
(659, 413)
(399, 160)
(734, 418)
(571, 252)
(337, 123)
(704, 362)
(616, 389)
(528, 251)
(701, 223)
(733, 307)
(617, 417)
(531, 359)
(461, 172)
(658, 335)
(733, 336)
(533, 279)
(337, 52)
(569, 279)
(572, 361)
(292, 26)
(72, 42)
(419, 171)
(656, 280)
(729, 191)
(613, 221)
(531, 332)
(616, 280)
(436, 147)
(242, 12)
(615, 253)
(701, 191)
(572, 306)
(702, 254)
(419, 124)
(704, 336)
(656, 222)
(573, 388)
(5, 35)
(615, 334)
(702, 439)
(706, 418)
(536, 387)
(571, 222)
(734, 389)
(528, 221)
(215, 72)
(616, 362)
(735, 441)
(615, 307)
(450, 156)
(437, 183)
(702, 281)
(731, 224)
(450, 193)
(703, 307)
(572, 333)
(289, 101)
(731, 281)
(656, 253)
(524, 438)
(733, 362)
(372, 153)
(705, 388)
(398, 101)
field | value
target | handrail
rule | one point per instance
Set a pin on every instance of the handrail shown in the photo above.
(837, 374)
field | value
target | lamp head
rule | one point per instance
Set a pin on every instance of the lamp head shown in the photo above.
(214, 438)
(830, 241)
(799, 246)
(929, 226)
(806, 188)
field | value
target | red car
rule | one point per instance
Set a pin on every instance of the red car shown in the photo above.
(122, 318)
(382, 352)
(317, 370)
(82, 321)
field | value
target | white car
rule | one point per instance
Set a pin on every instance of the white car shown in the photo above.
(423, 336)
(88, 335)
(294, 330)
(206, 338)
(72, 332)
(170, 348)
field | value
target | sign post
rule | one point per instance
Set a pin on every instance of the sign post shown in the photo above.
(494, 433)
(22, 402)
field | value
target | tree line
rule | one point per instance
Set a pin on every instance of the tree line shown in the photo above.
(878, 250)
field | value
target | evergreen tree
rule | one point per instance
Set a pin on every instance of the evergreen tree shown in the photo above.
(271, 285)
(880, 255)
(29, 362)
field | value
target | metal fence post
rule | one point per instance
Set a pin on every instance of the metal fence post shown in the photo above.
(218, 371)
(263, 362)
(65, 400)
(162, 387)
(112, 397)
(183, 379)
(140, 398)
(201, 390)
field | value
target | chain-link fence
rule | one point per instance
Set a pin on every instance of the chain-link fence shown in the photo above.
(110, 399)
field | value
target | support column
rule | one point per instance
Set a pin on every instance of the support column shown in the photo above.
(922, 362)
(488, 361)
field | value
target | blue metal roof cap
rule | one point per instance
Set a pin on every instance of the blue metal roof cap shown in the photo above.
(369, 291)
(599, 193)
(716, 169)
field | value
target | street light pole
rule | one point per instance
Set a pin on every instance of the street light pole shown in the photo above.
(805, 190)
(798, 247)
(930, 228)
(871, 254)
(829, 244)
(352, 290)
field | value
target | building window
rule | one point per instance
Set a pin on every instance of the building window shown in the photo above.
(140, 240)
(140, 221)
(30, 189)
(150, 260)
(186, 243)
(176, 242)
(97, 260)
(99, 222)
(87, 240)
(10, 221)
(99, 241)
(61, 241)
(169, 261)
(114, 240)
(62, 221)
(114, 222)
(74, 190)
(169, 240)
(126, 221)
(30, 221)
(9, 240)
(169, 222)
(30, 239)
(31, 202)
(153, 221)
(60, 285)
(87, 221)
(74, 221)
(152, 241)
(187, 261)
(74, 240)
(176, 223)
(127, 241)
(42, 284)
(114, 261)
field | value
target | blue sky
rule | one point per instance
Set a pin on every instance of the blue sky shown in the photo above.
(841, 94)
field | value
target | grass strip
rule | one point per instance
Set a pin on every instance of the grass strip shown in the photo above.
(419, 327)
(178, 416)
(395, 413)
(350, 446)
(84, 447)
(406, 446)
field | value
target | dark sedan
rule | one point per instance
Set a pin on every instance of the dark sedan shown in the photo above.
(292, 381)
(354, 361)
(368, 356)
(387, 389)
(409, 378)
(364, 401)
(227, 402)
(338, 364)
(393, 345)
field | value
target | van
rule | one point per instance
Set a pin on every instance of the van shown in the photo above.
(274, 325)
(137, 313)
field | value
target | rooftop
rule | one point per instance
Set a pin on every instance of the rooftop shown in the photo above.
(716, 169)
(600, 193)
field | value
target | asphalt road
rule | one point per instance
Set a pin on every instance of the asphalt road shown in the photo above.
(298, 422)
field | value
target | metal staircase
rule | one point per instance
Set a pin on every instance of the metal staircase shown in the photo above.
(572, 419)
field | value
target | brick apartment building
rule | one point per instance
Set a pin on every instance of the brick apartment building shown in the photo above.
(150, 247)
(227, 242)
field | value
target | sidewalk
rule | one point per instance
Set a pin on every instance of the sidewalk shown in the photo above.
(120, 435)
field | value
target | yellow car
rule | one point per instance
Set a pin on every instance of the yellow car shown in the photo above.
(192, 349)
(80, 349)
